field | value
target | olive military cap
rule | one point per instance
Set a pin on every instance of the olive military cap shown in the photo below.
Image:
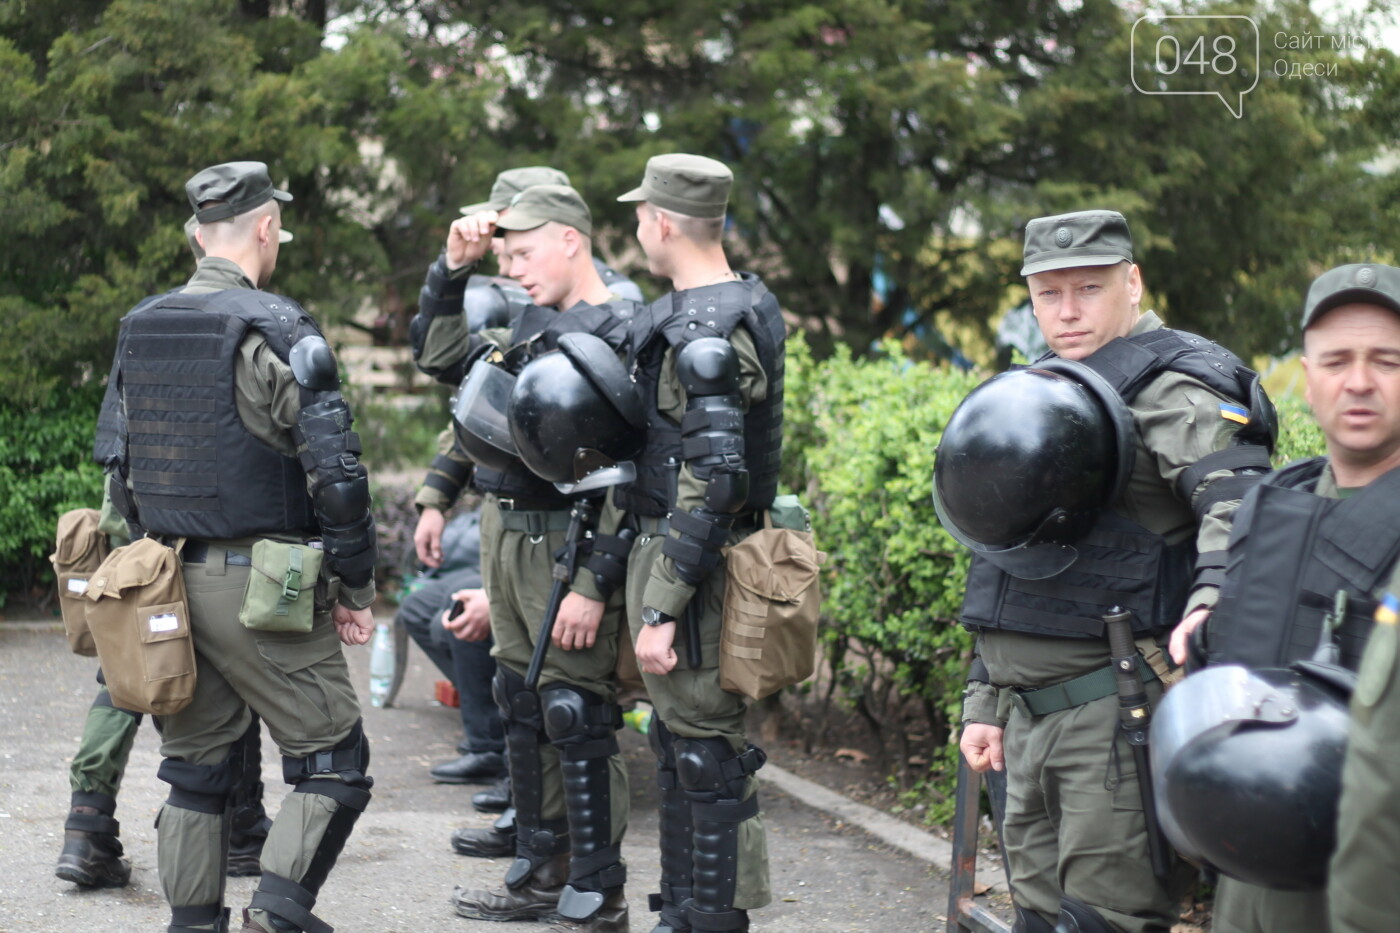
(687, 184)
(513, 181)
(241, 186)
(1083, 238)
(1359, 283)
(539, 204)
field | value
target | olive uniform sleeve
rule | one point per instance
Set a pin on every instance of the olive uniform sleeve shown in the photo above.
(448, 475)
(269, 400)
(1180, 421)
(665, 590)
(438, 332)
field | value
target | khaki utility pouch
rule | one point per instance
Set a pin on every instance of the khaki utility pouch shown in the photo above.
(281, 593)
(140, 622)
(772, 601)
(79, 549)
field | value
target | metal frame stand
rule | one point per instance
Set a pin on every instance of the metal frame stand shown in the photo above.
(965, 915)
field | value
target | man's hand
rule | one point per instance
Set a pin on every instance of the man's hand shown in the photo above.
(427, 537)
(473, 623)
(576, 626)
(981, 746)
(469, 238)
(354, 626)
(1181, 635)
(654, 652)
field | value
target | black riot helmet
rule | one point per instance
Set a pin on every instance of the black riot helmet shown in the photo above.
(575, 415)
(1027, 462)
(479, 412)
(493, 301)
(1247, 768)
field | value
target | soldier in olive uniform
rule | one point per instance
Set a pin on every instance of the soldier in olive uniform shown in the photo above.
(573, 715)
(92, 850)
(233, 435)
(1358, 395)
(1281, 603)
(708, 360)
(1041, 697)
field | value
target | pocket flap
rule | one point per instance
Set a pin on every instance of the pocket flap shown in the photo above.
(77, 537)
(776, 563)
(136, 564)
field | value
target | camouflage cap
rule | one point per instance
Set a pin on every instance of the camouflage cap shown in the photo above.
(239, 186)
(540, 204)
(1082, 238)
(513, 181)
(687, 184)
(1359, 283)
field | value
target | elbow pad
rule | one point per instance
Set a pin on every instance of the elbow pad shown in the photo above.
(329, 453)
(712, 428)
(696, 551)
(607, 560)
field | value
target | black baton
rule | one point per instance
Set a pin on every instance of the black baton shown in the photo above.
(1134, 717)
(581, 519)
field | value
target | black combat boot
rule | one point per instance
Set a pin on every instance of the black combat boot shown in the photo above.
(92, 853)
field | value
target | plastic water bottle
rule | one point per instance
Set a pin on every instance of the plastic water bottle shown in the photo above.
(638, 718)
(381, 664)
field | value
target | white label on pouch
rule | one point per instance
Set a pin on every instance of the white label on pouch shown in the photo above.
(165, 622)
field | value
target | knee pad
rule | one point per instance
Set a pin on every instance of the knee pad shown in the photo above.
(347, 760)
(579, 722)
(1078, 917)
(710, 769)
(519, 704)
(202, 788)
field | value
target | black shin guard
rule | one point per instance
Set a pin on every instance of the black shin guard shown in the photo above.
(249, 819)
(715, 778)
(537, 840)
(583, 726)
(1078, 917)
(677, 832)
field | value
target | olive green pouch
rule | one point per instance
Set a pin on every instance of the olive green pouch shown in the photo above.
(281, 593)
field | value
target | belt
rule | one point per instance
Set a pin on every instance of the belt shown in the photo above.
(517, 504)
(535, 522)
(1086, 688)
(197, 552)
(647, 525)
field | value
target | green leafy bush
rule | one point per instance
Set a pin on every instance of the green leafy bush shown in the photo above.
(46, 468)
(859, 446)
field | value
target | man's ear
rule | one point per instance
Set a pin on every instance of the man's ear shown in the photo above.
(265, 235)
(571, 242)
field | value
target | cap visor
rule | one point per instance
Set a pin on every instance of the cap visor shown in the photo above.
(1071, 262)
(284, 236)
(636, 194)
(481, 206)
(519, 220)
(281, 195)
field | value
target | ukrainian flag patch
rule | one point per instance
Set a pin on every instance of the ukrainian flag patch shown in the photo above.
(1388, 612)
(1234, 413)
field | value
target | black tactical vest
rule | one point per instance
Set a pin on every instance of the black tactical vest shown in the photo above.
(1291, 551)
(193, 468)
(537, 331)
(1120, 562)
(674, 320)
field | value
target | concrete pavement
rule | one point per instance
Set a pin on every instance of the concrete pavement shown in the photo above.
(395, 876)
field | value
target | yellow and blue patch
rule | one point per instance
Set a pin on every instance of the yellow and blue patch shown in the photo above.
(1388, 612)
(1234, 413)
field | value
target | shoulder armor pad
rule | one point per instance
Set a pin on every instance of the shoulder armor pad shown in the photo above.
(708, 366)
(313, 365)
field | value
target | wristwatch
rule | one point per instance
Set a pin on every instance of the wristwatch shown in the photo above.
(652, 616)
